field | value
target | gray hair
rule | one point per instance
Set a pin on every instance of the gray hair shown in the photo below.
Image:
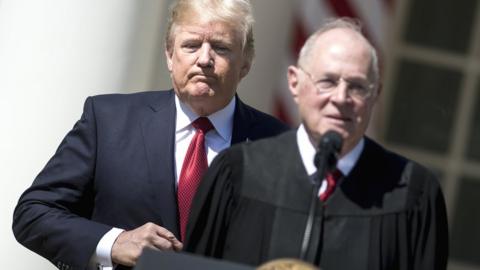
(336, 23)
(236, 12)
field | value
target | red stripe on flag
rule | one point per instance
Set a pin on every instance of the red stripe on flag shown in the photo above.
(342, 8)
(299, 36)
(280, 111)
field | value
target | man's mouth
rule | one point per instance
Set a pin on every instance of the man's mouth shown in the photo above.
(201, 76)
(339, 118)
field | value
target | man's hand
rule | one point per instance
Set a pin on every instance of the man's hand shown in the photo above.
(129, 244)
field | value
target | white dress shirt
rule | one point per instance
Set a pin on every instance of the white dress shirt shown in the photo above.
(307, 152)
(216, 140)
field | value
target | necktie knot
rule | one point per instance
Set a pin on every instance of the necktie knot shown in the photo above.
(335, 175)
(332, 180)
(202, 124)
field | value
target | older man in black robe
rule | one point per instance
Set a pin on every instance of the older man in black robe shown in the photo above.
(385, 211)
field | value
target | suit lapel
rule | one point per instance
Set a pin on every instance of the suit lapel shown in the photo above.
(159, 135)
(242, 122)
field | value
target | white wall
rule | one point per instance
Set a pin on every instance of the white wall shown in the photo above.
(55, 53)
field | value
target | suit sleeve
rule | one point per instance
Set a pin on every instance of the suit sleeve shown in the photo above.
(211, 210)
(52, 216)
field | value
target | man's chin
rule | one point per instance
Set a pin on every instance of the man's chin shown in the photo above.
(202, 92)
(337, 128)
(202, 89)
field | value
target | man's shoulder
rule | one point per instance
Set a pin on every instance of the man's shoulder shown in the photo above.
(393, 181)
(270, 147)
(257, 124)
(143, 96)
(261, 116)
(253, 157)
(130, 103)
(387, 156)
(418, 176)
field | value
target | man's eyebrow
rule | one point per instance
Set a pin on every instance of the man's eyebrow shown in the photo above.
(350, 78)
(329, 75)
(221, 41)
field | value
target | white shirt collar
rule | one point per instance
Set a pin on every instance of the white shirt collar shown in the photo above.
(307, 152)
(222, 120)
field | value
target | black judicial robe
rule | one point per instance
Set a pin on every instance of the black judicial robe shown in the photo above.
(252, 207)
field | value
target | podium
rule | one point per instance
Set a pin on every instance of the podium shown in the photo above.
(168, 260)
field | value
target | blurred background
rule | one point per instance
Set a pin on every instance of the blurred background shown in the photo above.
(55, 53)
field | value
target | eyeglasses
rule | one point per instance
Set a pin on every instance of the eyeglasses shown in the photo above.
(357, 89)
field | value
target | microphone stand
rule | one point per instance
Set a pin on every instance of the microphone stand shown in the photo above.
(325, 160)
(311, 215)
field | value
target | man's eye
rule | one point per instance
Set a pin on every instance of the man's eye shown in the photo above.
(357, 87)
(190, 46)
(326, 83)
(220, 49)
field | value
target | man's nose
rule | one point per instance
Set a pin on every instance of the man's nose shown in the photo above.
(340, 94)
(205, 57)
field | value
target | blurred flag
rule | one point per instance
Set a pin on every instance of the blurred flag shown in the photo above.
(309, 15)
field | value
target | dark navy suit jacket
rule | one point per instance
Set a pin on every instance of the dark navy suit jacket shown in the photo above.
(115, 168)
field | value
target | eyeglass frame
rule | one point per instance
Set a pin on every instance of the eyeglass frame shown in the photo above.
(369, 89)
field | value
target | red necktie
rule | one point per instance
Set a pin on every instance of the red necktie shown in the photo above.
(332, 178)
(194, 165)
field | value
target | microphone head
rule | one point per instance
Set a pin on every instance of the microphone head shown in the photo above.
(329, 148)
(331, 141)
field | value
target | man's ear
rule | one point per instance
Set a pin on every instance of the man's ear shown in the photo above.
(245, 68)
(293, 82)
(168, 56)
(379, 89)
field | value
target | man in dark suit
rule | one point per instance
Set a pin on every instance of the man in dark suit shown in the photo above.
(385, 212)
(110, 190)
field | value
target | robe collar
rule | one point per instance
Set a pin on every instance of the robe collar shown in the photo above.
(307, 153)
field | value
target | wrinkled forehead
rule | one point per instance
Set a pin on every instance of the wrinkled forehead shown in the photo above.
(342, 49)
(343, 42)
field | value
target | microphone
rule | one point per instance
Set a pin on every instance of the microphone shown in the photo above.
(326, 157)
(325, 160)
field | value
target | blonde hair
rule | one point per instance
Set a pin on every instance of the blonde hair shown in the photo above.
(238, 13)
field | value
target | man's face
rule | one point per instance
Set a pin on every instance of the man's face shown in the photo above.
(206, 63)
(340, 60)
